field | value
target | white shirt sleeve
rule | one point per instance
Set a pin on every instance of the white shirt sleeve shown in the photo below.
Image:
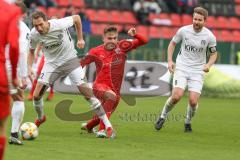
(64, 23)
(212, 41)
(32, 41)
(178, 36)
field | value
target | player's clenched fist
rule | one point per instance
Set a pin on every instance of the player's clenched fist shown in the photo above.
(80, 44)
(132, 32)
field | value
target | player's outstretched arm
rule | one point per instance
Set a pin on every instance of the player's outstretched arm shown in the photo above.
(139, 39)
(78, 26)
(211, 61)
(171, 48)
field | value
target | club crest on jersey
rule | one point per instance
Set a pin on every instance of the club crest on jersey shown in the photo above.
(60, 36)
(203, 42)
(125, 45)
(118, 50)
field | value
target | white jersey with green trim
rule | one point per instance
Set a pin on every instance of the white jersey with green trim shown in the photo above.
(194, 47)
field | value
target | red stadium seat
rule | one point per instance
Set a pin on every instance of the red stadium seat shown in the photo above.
(115, 16)
(166, 32)
(211, 22)
(97, 29)
(143, 30)
(186, 19)
(176, 20)
(226, 36)
(236, 36)
(91, 14)
(78, 3)
(154, 32)
(63, 3)
(222, 22)
(237, 1)
(128, 17)
(234, 23)
(43, 9)
(52, 11)
(102, 16)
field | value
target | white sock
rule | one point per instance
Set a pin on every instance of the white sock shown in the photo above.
(167, 108)
(38, 105)
(95, 103)
(106, 121)
(190, 113)
(17, 115)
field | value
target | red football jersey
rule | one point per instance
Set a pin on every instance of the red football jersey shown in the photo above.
(110, 64)
(9, 34)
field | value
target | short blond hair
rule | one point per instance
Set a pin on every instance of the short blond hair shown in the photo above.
(201, 11)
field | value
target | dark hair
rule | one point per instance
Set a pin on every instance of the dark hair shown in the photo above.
(201, 11)
(22, 6)
(110, 28)
(39, 14)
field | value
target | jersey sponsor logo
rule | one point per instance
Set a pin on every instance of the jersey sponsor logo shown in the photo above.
(190, 48)
(125, 45)
(53, 45)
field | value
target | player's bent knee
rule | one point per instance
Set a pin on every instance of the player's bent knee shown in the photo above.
(176, 98)
(110, 96)
(193, 102)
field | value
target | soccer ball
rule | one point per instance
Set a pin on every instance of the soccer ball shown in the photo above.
(29, 131)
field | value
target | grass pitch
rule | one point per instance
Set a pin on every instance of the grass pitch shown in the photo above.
(216, 133)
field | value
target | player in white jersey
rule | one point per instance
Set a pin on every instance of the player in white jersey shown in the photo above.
(60, 60)
(196, 41)
(18, 93)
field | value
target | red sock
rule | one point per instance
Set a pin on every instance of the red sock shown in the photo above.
(33, 86)
(2, 146)
(51, 90)
(92, 123)
(101, 124)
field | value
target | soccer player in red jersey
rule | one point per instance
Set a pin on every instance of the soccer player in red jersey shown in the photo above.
(110, 60)
(9, 34)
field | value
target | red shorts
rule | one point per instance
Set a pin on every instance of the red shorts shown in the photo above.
(99, 91)
(4, 106)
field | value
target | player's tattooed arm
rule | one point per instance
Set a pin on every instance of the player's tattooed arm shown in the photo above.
(78, 26)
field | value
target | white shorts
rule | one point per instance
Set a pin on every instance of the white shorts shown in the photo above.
(183, 79)
(50, 73)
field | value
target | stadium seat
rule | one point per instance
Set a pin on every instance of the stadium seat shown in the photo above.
(154, 32)
(128, 17)
(236, 36)
(143, 30)
(63, 3)
(211, 22)
(222, 22)
(226, 36)
(43, 9)
(234, 23)
(102, 16)
(186, 19)
(52, 11)
(166, 32)
(216, 34)
(175, 19)
(97, 29)
(78, 3)
(115, 16)
(91, 14)
(237, 1)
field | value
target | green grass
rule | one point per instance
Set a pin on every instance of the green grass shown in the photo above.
(216, 133)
